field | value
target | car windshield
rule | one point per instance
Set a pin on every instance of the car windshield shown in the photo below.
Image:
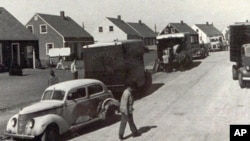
(53, 95)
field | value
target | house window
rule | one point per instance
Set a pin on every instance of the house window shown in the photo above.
(192, 39)
(172, 30)
(43, 28)
(100, 29)
(111, 28)
(30, 27)
(197, 30)
(48, 47)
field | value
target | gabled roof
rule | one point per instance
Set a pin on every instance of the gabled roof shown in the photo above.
(12, 29)
(66, 26)
(123, 26)
(209, 29)
(183, 27)
(142, 29)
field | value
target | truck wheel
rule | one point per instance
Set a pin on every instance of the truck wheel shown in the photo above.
(148, 79)
(234, 72)
(241, 82)
(51, 133)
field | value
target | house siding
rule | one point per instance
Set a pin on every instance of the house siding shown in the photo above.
(50, 37)
(106, 35)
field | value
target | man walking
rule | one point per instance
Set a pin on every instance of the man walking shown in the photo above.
(126, 109)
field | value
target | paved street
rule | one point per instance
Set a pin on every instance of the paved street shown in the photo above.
(198, 104)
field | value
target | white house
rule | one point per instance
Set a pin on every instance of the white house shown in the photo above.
(114, 29)
(206, 32)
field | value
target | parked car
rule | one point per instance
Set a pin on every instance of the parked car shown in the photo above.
(63, 107)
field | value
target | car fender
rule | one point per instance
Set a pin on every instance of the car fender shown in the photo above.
(42, 122)
(107, 103)
(9, 126)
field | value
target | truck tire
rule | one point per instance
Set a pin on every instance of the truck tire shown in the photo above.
(241, 82)
(51, 133)
(148, 79)
(234, 72)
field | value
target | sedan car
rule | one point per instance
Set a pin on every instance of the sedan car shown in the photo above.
(63, 107)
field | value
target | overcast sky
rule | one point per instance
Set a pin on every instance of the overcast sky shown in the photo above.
(152, 12)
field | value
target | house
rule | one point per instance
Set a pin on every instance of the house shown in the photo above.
(17, 44)
(180, 28)
(147, 34)
(116, 29)
(207, 32)
(60, 31)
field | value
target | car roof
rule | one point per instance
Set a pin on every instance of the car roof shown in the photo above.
(68, 85)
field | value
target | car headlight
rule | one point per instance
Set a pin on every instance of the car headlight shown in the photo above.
(247, 68)
(13, 122)
(31, 123)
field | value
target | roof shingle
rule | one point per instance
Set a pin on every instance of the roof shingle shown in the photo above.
(12, 29)
(209, 29)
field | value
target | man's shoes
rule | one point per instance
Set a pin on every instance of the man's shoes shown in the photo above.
(136, 134)
(121, 138)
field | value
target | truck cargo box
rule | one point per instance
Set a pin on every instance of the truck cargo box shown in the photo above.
(115, 63)
(239, 35)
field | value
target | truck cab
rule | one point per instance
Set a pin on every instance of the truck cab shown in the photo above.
(244, 71)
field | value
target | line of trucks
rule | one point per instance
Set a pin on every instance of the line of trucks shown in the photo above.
(119, 62)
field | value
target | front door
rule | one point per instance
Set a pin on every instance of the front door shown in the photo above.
(15, 53)
(76, 107)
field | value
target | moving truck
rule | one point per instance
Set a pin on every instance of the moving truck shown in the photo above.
(117, 63)
(178, 47)
(240, 52)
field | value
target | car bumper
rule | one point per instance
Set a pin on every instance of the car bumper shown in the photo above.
(19, 136)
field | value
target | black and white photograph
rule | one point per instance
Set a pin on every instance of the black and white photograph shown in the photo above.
(124, 70)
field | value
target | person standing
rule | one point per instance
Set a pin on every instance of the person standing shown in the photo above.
(165, 59)
(126, 109)
(60, 64)
(53, 79)
(74, 70)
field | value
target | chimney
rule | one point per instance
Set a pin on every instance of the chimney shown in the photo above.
(140, 22)
(207, 24)
(247, 21)
(119, 17)
(62, 14)
(182, 22)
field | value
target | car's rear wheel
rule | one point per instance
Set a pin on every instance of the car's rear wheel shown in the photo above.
(51, 133)
(111, 114)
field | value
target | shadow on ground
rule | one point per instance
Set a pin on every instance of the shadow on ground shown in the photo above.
(141, 131)
(89, 128)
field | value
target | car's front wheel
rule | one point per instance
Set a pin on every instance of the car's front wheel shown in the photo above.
(241, 81)
(51, 133)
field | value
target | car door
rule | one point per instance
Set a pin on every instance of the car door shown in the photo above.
(96, 97)
(77, 106)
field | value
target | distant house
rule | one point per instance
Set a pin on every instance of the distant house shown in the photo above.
(147, 34)
(17, 44)
(206, 32)
(57, 32)
(180, 28)
(116, 29)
